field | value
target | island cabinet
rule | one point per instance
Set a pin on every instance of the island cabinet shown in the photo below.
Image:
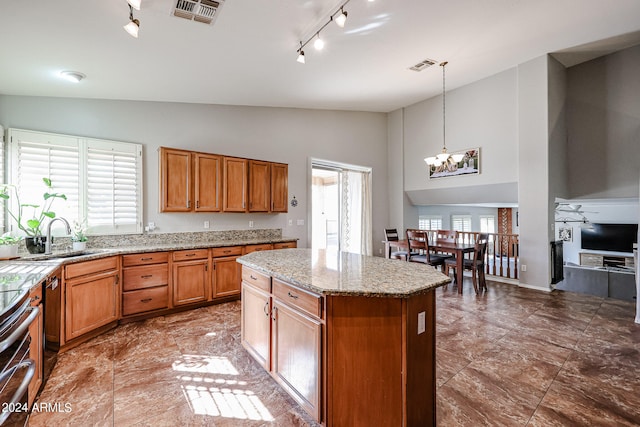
(282, 329)
(190, 276)
(36, 332)
(226, 271)
(92, 295)
(145, 282)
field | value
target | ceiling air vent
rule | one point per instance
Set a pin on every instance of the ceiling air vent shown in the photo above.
(198, 10)
(422, 65)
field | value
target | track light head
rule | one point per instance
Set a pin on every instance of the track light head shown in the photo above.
(319, 43)
(341, 19)
(301, 57)
(135, 4)
(132, 27)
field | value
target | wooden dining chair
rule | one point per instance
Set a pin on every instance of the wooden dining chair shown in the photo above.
(419, 249)
(448, 236)
(476, 265)
(391, 234)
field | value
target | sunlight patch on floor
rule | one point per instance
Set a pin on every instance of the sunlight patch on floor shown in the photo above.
(209, 393)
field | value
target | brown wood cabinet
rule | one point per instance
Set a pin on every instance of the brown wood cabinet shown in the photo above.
(145, 282)
(92, 295)
(259, 186)
(226, 271)
(235, 187)
(190, 276)
(36, 332)
(279, 187)
(189, 181)
(282, 329)
(255, 248)
(175, 180)
(54, 312)
(285, 245)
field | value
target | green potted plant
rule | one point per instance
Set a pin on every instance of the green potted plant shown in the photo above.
(30, 217)
(9, 246)
(79, 238)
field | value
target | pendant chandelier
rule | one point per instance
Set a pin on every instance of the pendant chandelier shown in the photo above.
(444, 158)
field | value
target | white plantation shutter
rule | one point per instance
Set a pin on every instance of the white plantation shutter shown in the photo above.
(461, 222)
(101, 179)
(114, 196)
(429, 222)
(37, 155)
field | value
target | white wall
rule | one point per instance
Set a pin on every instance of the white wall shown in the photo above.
(276, 134)
(604, 126)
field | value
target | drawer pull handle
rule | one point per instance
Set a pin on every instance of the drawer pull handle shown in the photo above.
(227, 251)
(292, 295)
(147, 276)
(253, 278)
(190, 255)
(266, 309)
(146, 259)
(146, 300)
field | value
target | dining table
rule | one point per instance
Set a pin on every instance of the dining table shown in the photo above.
(455, 248)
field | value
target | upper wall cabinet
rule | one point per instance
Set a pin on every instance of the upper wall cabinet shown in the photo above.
(189, 181)
(235, 184)
(279, 187)
(201, 182)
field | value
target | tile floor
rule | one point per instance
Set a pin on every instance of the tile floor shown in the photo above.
(509, 357)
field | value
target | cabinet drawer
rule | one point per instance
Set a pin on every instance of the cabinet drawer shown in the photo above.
(285, 245)
(592, 260)
(296, 297)
(145, 276)
(90, 267)
(258, 280)
(147, 258)
(255, 248)
(227, 251)
(190, 254)
(145, 300)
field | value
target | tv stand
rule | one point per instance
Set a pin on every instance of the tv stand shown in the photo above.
(606, 259)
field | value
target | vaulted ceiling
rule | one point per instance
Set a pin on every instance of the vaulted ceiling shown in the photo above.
(248, 56)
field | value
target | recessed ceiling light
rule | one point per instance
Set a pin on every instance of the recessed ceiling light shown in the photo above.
(72, 76)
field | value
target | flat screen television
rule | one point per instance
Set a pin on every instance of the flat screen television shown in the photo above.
(610, 237)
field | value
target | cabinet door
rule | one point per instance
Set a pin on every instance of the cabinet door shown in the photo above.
(279, 187)
(175, 180)
(190, 281)
(256, 323)
(234, 184)
(227, 276)
(295, 358)
(208, 174)
(36, 331)
(259, 186)
(91, 302)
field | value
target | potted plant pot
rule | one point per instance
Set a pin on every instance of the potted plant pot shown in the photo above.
(79, 246)
(9, 251)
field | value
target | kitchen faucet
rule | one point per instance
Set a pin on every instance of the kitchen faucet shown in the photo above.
(47, 243)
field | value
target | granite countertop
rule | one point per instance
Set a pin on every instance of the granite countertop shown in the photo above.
(341, 273)
(27, 271)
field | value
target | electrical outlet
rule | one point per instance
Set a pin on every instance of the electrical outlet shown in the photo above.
(421, 322)
(524, 267)
(300, 222)
(290, 222)
(206, 224)
(250, 224)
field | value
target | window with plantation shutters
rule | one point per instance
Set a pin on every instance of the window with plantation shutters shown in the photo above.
(461, 222)
(429, 222)
(101, 179)
(113, 190)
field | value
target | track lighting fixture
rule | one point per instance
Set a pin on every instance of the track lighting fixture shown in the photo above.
(339, 17)
(301, 54)
(134, 4)
(133, 26)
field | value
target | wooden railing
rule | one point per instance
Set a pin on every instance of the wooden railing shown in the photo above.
(502, 252)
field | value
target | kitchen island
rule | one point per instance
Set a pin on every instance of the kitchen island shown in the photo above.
(350, 337)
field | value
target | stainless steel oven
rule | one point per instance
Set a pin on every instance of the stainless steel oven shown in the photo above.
(16, 368)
